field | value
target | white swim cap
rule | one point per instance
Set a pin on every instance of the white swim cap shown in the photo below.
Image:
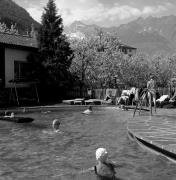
(100, 152)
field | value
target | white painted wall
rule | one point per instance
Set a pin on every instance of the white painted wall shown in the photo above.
(12, 55)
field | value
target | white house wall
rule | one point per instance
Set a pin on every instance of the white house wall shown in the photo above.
(12, 55)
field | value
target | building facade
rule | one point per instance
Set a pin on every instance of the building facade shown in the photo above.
(127, 49)
(14, 50)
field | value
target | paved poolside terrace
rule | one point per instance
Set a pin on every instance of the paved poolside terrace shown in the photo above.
(156, 133)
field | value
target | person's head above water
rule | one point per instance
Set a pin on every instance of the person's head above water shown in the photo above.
(56, 124)
(90, 108)
(88, 111)
(101, 154)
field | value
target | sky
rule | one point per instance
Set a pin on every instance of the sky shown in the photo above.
(101, 12)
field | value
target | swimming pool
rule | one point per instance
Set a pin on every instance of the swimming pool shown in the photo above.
(33, 151)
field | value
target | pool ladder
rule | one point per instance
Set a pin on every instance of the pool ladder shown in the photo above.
(142, 100)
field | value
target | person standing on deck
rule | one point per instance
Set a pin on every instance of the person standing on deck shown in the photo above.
(151, 87)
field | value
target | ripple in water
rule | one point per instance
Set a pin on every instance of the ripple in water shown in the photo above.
(34, 151)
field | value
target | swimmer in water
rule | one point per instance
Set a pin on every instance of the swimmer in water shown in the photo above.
(56, 124)
(88, 111)
(105, 168)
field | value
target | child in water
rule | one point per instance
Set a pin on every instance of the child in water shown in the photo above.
(55, 125)
(105, 168)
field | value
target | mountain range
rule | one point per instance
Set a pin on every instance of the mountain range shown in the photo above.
(150, 35)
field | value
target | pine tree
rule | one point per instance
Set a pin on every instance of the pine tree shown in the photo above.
(53, 45)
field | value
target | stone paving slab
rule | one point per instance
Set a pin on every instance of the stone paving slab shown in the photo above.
(157, 131)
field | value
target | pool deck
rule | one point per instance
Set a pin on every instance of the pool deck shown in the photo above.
(156, 133)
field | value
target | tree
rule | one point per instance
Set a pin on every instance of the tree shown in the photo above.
(95, 60)
(56, 54)
(12, 30)
(107, 60)
(81, 64)
(138, 70)
(161, 69)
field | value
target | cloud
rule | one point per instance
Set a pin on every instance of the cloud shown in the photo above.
(35, 13)
(95, 12)
(148, 10)
(126, 12)
(123, 12)
(99, 13)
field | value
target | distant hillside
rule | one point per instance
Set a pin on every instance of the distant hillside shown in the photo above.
(150, 35)
(78, 26)
(10, 12)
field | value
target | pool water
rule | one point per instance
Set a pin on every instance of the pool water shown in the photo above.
(33, 151)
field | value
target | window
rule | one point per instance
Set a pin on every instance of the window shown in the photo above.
(124, 50)
(22, 70)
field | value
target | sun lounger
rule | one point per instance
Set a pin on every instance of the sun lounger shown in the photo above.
(93, 101)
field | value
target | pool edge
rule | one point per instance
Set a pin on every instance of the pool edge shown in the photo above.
(151, 146)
